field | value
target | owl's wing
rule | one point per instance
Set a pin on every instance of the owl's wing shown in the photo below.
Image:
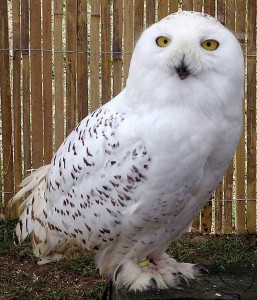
(94, 178)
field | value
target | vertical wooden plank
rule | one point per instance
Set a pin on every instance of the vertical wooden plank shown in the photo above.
(251, 116)
(228, 196)
(128, 35)
(240, 154)
(206, 216)
(219, 197)
(26, 84)
(71, 66)
(230, 14)
(196, 224)
(218, 208)
(17, 92)
(138, 19)
(47, 80)
(221, 11)
(187, 5)
(58, 73)
(198, 5)
(228, 181)
(163, 9)
(209, 7)
(36, 83)
(117, 46)
(173, 6)
(150, 12)
(106, 49)
(6, 106)
(94, 55)
(82, 67)
(206, 213)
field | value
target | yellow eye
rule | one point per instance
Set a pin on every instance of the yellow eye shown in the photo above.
(162, 41)
(210, 45)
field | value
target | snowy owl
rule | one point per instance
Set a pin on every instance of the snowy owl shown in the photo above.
(130, 178)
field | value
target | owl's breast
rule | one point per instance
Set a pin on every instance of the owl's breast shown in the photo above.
(189, 156)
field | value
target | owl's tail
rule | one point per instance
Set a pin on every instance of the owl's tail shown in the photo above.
(32, 209)
(35, 220)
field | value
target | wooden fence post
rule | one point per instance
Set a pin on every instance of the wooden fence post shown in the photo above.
(94, 55)
(128, 36)
(82, 65)
(138, 19)
(6, 100)
(240, 154)
(58, 73)
(71, 64)
(36, 83)
(26, 84)
(106, 50)
(117, 46)
(251, 116)
(47, 80)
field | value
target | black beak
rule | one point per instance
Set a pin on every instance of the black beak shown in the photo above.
(182, 70)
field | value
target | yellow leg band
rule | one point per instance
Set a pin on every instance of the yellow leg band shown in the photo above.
(144, 263)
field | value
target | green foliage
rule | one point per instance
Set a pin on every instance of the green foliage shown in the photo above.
(208, 250)
(7, 245)
(83, 265)
(6, 235)
(59, 294)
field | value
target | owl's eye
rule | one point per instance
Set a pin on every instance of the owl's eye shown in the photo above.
(210, 45)
(162, 41)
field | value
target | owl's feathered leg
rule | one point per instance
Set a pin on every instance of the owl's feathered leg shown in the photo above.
(157, 273)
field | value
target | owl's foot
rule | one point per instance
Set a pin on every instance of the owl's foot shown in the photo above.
(159, 273)
(189, 271)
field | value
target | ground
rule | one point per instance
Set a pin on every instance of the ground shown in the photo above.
(21, 277)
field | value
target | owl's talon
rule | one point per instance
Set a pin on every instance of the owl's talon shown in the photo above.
(117, 271)
(108, 291)
(202, 271)
(183, 280)
(153, 285)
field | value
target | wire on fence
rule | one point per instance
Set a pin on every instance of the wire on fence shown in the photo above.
(82, 52)
(66, 51)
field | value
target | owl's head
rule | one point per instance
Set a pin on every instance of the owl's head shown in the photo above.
(183, 52)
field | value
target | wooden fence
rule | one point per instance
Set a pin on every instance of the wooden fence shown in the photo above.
(60, 59)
